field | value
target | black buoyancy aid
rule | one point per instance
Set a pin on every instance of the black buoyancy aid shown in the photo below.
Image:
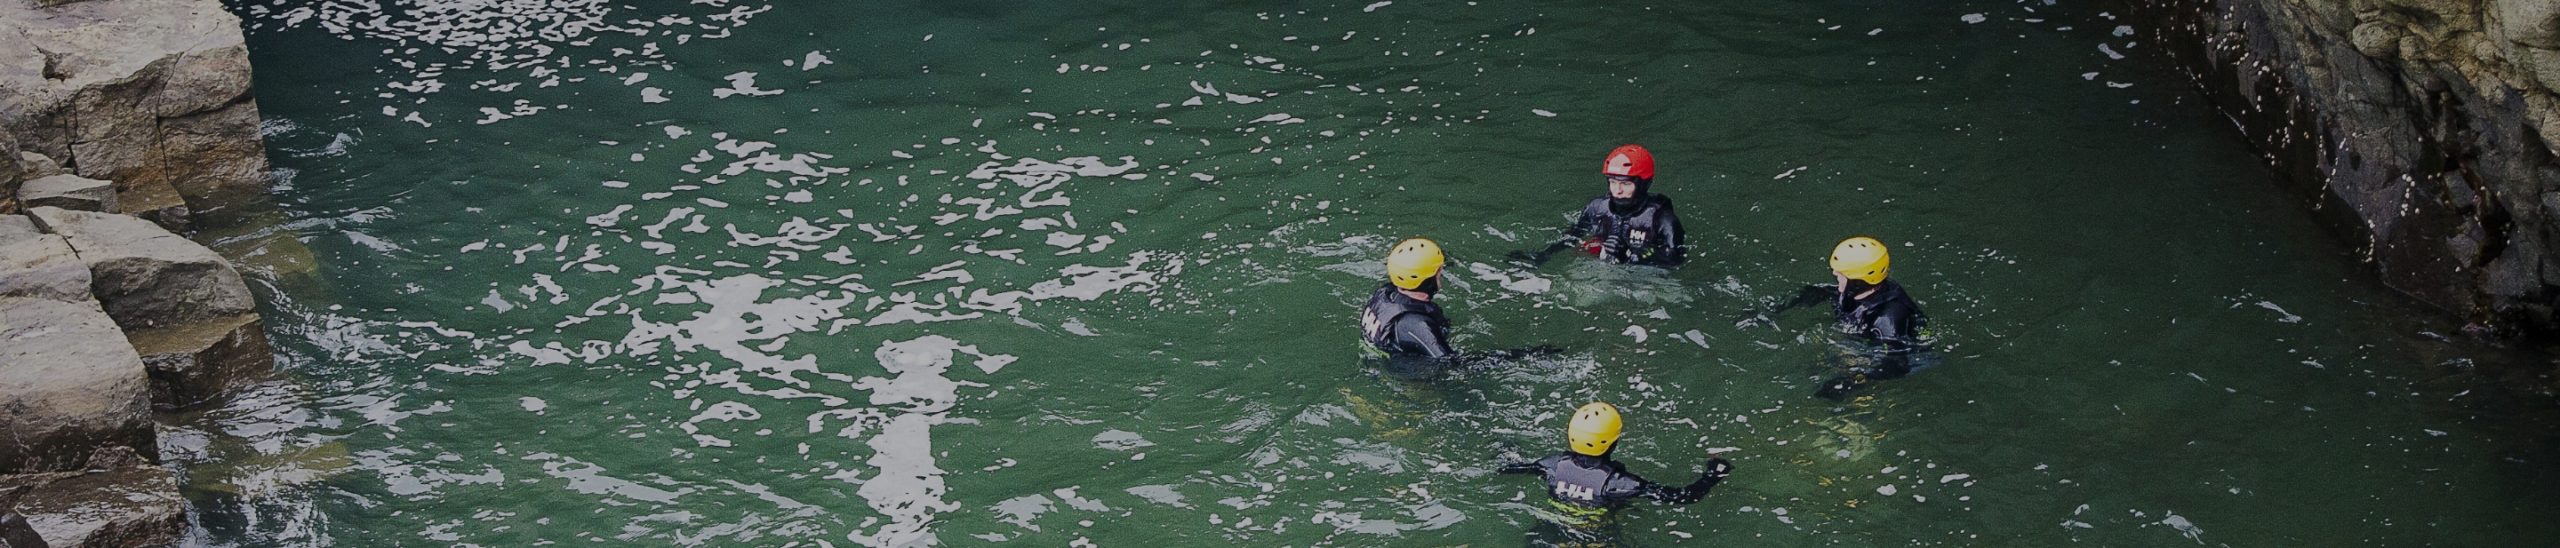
(1649, 235)
(1388, 306)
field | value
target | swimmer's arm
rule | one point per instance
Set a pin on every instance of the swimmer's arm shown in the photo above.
(1527, 467)
(1582, 227)
(1717, 469)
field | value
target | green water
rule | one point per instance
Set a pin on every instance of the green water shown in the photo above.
(1049, 274)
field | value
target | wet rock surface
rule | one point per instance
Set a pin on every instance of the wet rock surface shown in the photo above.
(116, 499)
(2425, 128)
(196, 363)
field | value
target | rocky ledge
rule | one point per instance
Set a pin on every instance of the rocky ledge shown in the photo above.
(123, 123)
(2425, 128)
(152, 95)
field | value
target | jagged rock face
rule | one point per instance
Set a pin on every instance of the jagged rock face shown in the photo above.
(144, 276)
(68, 385)
(151, 94)
(2427, 127)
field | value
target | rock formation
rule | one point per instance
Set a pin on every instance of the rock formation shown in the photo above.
(150, 94)
(111, 108)
(2427, 128)
(116, 498)
(145, 276)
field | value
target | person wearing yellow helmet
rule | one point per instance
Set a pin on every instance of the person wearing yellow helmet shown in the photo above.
(1867, 303)
(1403, 324)
(1400, 319)
(1628, 224)
(1584, 484)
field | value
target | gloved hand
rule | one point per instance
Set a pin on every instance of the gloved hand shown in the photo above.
(1718, 468)
(1524, 256)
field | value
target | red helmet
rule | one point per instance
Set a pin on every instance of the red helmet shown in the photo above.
(1628, 160)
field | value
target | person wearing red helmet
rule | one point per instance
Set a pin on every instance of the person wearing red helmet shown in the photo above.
(1628, 225)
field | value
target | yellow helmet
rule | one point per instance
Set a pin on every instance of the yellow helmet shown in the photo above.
(1861, 258)
(1413, 261)
(1595, 428)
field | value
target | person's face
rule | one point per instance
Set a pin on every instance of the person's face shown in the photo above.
(1842, 279)
(1622, 188)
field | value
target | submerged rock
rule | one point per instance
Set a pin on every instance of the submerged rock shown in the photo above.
(146, 277)
(117, 499)
(70, 192)
(69, 386)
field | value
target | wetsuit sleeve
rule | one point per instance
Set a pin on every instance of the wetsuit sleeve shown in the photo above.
(1531, 467)
(1414, 332)
(1717, 469)
(1811, 295)
(1674, 239)
(1584, 224)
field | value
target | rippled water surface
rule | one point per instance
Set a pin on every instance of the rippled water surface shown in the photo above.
(876, 273)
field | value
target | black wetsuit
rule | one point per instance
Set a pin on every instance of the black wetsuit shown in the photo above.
(1600, 483)
(1401, 326)
(1888, 318)
(1647, 234)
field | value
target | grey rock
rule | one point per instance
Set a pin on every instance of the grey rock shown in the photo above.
(11, 173)
(70, 192)
(155, 202)
(140, 92)
(69, 384)
(16, 227)
(38, 265)
(32, 166)
(199, 362)
(118, 499)
(144, 276)
(2534, 23)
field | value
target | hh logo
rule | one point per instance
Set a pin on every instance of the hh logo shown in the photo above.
(1371, 326)
(1575, 492)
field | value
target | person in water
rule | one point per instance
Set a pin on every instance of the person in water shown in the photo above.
(1402, 323)
(1871, 307)
(1585, 486)
(1400, 319)
(1627, 225)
